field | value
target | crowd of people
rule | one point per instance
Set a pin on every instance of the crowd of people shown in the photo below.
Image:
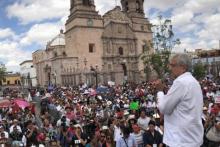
(80, 116)
(125, 115)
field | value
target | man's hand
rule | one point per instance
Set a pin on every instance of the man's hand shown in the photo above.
(159, 85)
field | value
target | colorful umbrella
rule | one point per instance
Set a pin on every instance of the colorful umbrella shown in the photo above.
(21, 103)
(5, 103)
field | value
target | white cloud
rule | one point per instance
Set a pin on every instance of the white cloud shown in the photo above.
(4, 33)
(41, 33)
(28, 11)
(105, 5)
(12, 56)
(199, 19)
(162, 5)
(211, 28)
(182, 19)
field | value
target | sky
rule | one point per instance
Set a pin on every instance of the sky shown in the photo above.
(27, 25)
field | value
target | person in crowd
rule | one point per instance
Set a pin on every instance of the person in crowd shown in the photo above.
(152, 137)
(109, 139)
(127, 140)
(117, 130)
(2, 131)
(16, 137)
(15, 124)
(31, 134)
(143, 120)
(30, 116)
(64, 138)
(182, 105)
(138, 135)
(212, 131)
(103, 140)
(79, 139)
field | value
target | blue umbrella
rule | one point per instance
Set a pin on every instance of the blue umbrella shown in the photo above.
(102, 90)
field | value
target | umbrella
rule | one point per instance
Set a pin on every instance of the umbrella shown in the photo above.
(102, 90)
(21, 103)
(5, 103)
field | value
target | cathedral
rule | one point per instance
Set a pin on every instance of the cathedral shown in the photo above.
(96, 49)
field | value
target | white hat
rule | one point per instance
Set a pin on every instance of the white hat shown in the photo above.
(86, 92)
(109, 103)
(126, 112)
(205, 108)
(131, 117)
(104, 128)
(100, 97)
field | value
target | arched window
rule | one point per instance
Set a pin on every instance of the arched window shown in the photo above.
(64, 53)
(126, 6)
(120, 51)
(55, 54)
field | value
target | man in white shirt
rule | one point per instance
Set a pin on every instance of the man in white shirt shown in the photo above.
(15, 124)
(182, 106)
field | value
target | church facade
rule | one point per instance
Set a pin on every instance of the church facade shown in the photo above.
(104, 48)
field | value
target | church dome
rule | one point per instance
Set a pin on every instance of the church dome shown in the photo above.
(58, 40)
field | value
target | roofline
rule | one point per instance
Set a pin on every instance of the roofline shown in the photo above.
(25, 62)
(38, 50)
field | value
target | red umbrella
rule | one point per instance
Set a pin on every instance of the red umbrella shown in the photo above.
(21, 103)
(5, 103)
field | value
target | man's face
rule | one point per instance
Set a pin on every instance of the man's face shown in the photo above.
(151, 127)
(175, 69)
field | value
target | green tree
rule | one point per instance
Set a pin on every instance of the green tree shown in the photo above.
(2, 72)
(199, 71)
(163, 43)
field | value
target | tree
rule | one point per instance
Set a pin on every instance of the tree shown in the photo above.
(163, 43)
(199, 71)
(2, 73)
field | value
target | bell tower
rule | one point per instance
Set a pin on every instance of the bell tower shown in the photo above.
(134, 8)
(82, 8)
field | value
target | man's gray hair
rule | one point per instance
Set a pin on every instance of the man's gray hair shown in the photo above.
(183, 60)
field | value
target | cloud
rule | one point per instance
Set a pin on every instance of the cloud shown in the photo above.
(5, 33)
(211, 27)
(182, 19)
(28, 11)
(105, 5)
(41, 33)
(196, 23)
(12, 55)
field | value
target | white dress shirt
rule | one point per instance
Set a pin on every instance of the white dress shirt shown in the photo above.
(182, 108)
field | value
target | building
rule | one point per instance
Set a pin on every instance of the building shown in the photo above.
(28, 74)
(49, 63)
(97, 48)
(210, 59)
(11, 79)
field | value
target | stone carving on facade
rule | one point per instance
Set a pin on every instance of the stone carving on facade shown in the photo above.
(116, 15)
